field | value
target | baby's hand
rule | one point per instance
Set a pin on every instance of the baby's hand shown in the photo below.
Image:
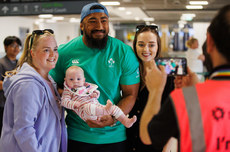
(93, 95)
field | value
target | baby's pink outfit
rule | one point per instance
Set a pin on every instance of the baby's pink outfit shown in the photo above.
(88, 107)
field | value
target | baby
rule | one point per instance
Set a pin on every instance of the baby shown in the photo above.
(81, 97)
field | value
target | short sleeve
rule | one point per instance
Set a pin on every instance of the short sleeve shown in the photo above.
(130, 68)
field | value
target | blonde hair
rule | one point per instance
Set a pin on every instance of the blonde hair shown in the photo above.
(190, 42)
(30, 44)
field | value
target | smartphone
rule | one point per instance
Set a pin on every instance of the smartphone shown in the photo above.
(173, 65)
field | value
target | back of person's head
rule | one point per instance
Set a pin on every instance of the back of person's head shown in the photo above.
(219, 30)
(190, 42)
(11, 39)
(31, 43)
(147, 28)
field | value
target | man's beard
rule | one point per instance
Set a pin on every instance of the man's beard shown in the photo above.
(207, 61)
(96, 43)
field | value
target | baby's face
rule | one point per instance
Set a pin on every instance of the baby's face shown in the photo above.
(75, 78)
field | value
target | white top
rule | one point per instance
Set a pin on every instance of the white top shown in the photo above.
(194, 63)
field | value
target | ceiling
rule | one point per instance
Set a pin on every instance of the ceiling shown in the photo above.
(155, 11)
(163, 11)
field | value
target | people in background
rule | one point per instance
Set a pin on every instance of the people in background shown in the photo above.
(194, 57)
(113, 67)
(33, 118)
(147, 47)
(12, 45)
(82, 97)
(197, 115)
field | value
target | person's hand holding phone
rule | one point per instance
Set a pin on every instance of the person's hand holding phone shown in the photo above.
(174, 66)
(155, 77)
(188, 80)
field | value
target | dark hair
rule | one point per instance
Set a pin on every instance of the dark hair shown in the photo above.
(11, 39)
(207, 61)
(219, 30)
(154, 31)
(96, 7)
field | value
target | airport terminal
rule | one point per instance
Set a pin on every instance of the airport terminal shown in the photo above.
(114, 75)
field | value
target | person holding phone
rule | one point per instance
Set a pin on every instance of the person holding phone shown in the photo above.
(197, 115)
(147, 47)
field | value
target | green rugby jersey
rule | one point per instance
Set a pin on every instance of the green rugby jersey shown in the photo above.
(108, 68)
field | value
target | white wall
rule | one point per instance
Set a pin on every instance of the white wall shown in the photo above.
(62, 30)
(200, 31)
(10, 26)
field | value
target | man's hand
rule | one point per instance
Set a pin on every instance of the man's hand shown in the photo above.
(104, 121)
(184, 81)
(155, 77)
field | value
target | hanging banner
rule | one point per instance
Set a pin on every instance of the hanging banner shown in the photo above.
(23, 7)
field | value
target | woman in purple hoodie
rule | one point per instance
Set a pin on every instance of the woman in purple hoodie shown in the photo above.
(33, 119)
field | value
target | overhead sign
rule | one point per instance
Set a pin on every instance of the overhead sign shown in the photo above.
(35, 8)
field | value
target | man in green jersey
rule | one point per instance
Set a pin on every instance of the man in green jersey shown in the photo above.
(110, 64)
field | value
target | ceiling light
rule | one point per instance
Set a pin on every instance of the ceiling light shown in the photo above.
(110, 3)
(121, 8)
(74, 20)
(38, 21)
(50, 21)
(148, 19)
(58, 18)
(194, 7)
(128, 13)
(187, 17)
(192, 15)
(45, 15)
(137, 18)
(181, 23)
(198, 2)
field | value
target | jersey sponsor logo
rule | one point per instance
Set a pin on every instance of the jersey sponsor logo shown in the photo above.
(75, 61)
(111, 62)
(218, 113)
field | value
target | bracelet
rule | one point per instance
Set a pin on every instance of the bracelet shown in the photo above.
(114, 122)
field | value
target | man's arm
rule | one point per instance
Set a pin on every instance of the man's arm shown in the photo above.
(152, 108)
(129, 95)
(155, 87)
